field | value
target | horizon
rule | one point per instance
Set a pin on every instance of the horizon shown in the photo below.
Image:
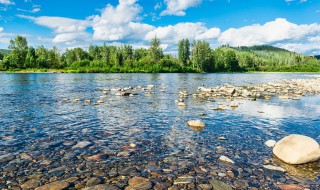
(220, 22)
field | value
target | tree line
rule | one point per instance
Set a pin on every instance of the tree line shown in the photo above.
(197, 56)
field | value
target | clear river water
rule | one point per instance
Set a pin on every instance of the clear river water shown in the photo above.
(38, 131)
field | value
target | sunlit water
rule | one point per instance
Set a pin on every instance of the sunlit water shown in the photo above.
(33, 116)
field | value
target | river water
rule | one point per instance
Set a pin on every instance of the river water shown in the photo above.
(38, 130)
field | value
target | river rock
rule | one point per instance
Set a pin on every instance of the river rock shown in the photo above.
(184, 180)
(102, 187)
(219, 185)
(6, 158)
(58, 185)
(196, 124)
(31, 184)
(297, 149)
(93, 181)
(82, 144)
(270, 143)
(275, 168)
(226, 159)
(139, 183)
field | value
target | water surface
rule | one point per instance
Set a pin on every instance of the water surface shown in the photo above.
(34, 121)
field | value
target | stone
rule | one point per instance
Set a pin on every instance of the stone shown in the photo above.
(31, 184)
(226, 159)
(222, 138)
(97, 158)
(205, 186)
(82, 144)
(222, 174)
(102, 187)
(283, 97)
(57, 185)
(139, 183)
(290, 187)
(181, 104)
(196, 125)
(270, 143)
(124, 154)
(219, 185)
(297, 149)
(93, 181)
(184, 180)
(6, 158)
(275, 168)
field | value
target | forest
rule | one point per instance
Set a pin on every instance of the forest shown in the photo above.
(197, 56)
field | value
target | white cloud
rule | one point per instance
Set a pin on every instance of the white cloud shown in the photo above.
(1, 29)
(178, 7)
(66, 29)
(7, 2)
(120, 22)
(269, 33)
(173, 33)
(307, 48)
(34, 10)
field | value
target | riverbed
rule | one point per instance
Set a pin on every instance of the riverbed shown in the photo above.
(46, 136)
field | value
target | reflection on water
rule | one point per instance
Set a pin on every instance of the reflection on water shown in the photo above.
(33, 118)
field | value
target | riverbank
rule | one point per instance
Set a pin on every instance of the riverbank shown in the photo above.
(25, 71)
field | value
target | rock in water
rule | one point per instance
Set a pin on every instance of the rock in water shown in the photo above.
(82, 144)
(226, 159)
(58, 185)
(297, 149)
(139, 183)
(270, 143)
(196, 125)
(275, 168)
(219, 185)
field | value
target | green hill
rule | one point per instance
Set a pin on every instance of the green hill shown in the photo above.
(269, 58)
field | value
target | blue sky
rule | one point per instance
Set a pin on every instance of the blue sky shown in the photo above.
(289, 24)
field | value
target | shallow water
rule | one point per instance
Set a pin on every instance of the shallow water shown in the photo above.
(35, 122)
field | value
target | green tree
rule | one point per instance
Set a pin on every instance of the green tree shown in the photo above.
(31, 60)
(155, 50)
(201, 56)
(184, 51)
(19, 48)
(1, 56)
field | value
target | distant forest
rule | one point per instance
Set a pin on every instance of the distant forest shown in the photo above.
(192, 57)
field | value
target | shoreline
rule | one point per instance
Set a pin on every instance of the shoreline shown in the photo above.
(76, 71)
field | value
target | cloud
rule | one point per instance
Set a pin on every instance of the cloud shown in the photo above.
(66, 29)
(119, 22)
(34, 10)
(178, 7)
(174, 33)
(1, 29)
(271, 32)
(7, 2)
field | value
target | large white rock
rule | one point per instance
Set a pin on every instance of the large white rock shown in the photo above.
(297, 149)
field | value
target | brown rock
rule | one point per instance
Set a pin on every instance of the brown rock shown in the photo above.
(97, 158)
(290, 187)
(31, 184)
(139, 183)
(57, 185)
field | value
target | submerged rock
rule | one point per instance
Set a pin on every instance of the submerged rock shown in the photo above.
(196, 125)
(184, 180)
(297, 149)
(275, 168)
(82, 144)
(58, 185)
(226, 159)
(139, 183)
(219, 185)
(31, 184)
